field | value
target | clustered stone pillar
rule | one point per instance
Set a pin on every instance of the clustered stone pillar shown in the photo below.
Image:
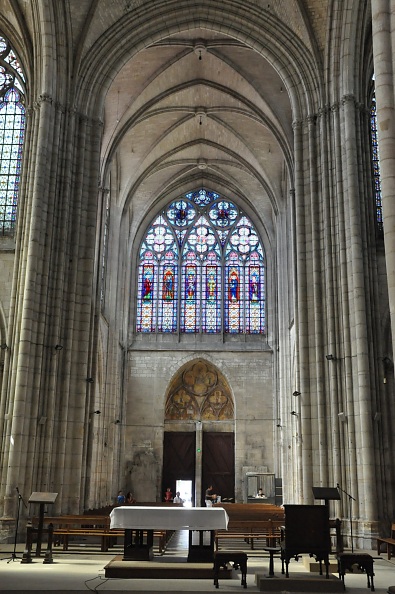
(47, 434)
(383, 23)
(334, 313)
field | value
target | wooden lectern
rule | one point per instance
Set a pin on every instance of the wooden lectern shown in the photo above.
(331, 494)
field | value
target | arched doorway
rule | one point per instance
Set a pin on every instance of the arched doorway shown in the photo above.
(199, 432)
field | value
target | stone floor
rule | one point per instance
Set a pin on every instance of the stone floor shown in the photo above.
(81, 569)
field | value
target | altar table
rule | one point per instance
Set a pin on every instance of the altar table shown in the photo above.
(139, 524)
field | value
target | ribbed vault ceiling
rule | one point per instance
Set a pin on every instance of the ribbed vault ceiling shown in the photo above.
(199, 108)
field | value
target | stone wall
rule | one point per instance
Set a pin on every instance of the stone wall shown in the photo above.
(148, 377)
(7, 248)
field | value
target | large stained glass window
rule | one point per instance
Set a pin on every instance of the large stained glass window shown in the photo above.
(12, 129)
(201, 269)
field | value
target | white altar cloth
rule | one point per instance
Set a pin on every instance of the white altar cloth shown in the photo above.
(169, 518)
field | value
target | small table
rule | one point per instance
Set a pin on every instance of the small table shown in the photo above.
(363, 561)
(139, 523)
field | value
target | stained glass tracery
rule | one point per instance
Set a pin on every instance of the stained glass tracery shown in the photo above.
(12, 129)
(201, 269)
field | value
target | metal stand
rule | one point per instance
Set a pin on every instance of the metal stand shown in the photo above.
(13, 554)
(350, 500)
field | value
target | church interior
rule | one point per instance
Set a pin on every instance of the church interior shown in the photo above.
(197, 249)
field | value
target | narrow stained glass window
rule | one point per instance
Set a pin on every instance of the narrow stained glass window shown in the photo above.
(376, 165)
(12, 130)
(201, 269)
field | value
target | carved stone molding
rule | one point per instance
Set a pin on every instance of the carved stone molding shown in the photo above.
(348, 99)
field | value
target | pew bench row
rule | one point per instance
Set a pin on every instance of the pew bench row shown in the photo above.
(249, 535)
(388, 541)
(251, 522)
(108, 538)
(75, 528)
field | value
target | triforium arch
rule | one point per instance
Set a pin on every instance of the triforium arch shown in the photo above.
(199, 430)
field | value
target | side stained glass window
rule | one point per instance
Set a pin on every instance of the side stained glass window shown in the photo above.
(12, 131)
(201, 269)
(376, 165)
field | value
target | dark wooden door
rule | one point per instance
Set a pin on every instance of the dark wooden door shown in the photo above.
(219, 464)
(179, 452)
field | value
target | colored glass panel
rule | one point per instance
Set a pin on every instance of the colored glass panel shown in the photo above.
(180, 213)
(212, 305)
(146, 319)
(223, 236)
(167, 310)
(210, 261)
(12, 130)
(190, 321)
(233, 304)
(202, 197)
(159, 236)
(254, 306)
(202, 237)
(244, 238)
(223, 213)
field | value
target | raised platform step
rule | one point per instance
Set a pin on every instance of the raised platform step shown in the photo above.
(301, 582)
(313, 566)
(165, 570)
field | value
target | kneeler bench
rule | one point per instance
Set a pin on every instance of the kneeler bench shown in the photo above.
(239, 559)
(363, 561)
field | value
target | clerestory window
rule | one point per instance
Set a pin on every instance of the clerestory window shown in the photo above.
(12, 130)
(201, 269)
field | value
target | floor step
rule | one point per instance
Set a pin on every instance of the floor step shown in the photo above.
(302, 582)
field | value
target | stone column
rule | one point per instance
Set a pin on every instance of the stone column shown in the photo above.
(360, 429)
(383, 22)
(198, 464)
(302, 455)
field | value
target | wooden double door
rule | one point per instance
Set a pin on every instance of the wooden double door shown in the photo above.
(181, 461)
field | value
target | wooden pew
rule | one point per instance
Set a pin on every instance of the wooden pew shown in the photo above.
(84, 526)
(251, 522)
(269, 531)
(259, 511)
(389, 541)
(244, 515)
(105, 511)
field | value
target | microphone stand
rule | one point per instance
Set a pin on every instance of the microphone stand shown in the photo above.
(13, 554)
(350, 500)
